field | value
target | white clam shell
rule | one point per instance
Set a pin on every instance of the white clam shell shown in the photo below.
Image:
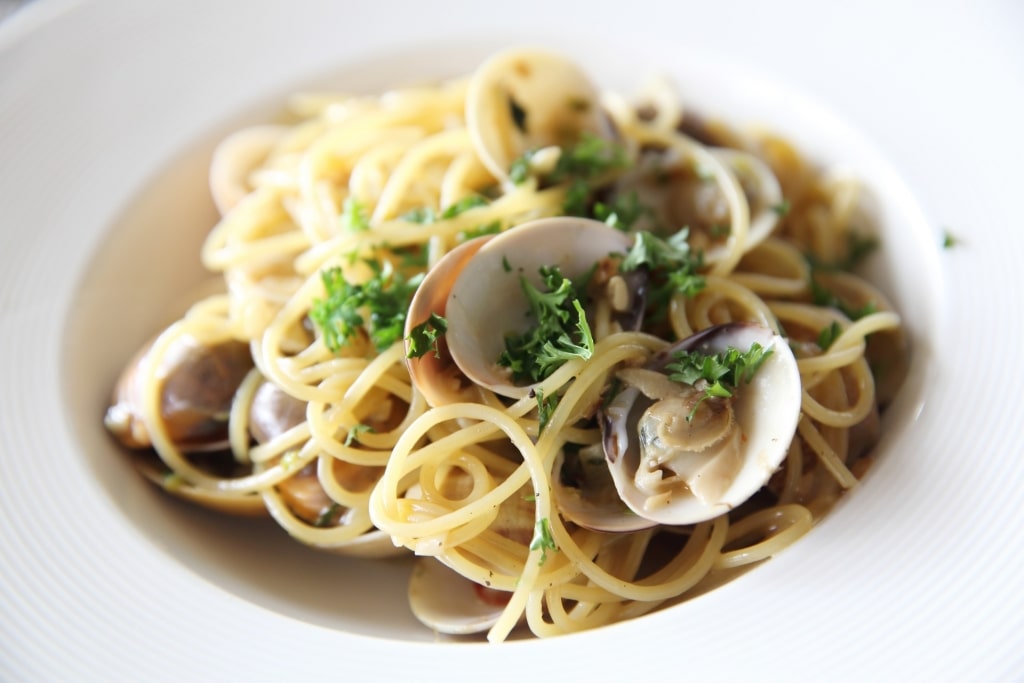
(433, 373)
(486, 302)
(555, 95)
(449, 603)
(744, 169)
(766, 413)
(595, 504)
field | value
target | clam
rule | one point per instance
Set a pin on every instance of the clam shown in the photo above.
(586, 494)
(273, 412)
(198, 384)
(483, 300)
(435, 374)
(447, 602)
(681, 196)
(677, 457)
(527, 99)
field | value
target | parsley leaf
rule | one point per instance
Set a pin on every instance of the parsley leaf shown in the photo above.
(822, 296)
(384, 299)
(542, 539)
(353, 434)
(828, 335)
(328, 516)
(423, 338)
(492, 228)
(353, 216)
(622, 213)
(560, 331)
(545, 408)
(426, 215)
(948, 240)
(672, 266)
(858, 247)
(519, 171)
(717, 374)
(590, 157)
(577, 198)
(782, 208)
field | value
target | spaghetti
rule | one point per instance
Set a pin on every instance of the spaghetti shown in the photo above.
(331, 221)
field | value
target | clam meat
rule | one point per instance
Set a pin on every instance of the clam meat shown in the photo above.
(681, 453)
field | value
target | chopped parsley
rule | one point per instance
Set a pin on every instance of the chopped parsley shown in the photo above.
(582, 163)
(423, 337)
(782, 208)
(673, 267)
(545, 408)
(327, 516)
(542, 539)
(822, 296)
(589, 158)
(948, 240)
(560, 331)
(383, 299)
(717, 374)
(354, 217)
(353, 433)
(426, 215)
(858, 247)
(828, 335)
(492, 228)
(577, 198)
(623, 212)
(719, 230)
(519, 171)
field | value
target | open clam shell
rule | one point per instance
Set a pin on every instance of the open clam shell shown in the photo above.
(485, 302)
(732, 456)
(678, 198)
(435, 374)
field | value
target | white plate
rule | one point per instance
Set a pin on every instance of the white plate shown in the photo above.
(107, 116)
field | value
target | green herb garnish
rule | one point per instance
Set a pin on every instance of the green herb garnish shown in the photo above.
(828, 335)
(353, 433)
(423, 337)
(427, 215)
(782, 208)
(822, 296)
(492, 228)
(354, 217)
(673, 267)
(326, 517)
(519, 171)
(948, 240)
(623, 213)
(560, 331)
(718, 374)
(543, 540)
(858, 247)
(383, 300)
(545, 408)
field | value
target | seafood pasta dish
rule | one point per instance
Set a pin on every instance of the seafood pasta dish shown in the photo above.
(581, 354)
